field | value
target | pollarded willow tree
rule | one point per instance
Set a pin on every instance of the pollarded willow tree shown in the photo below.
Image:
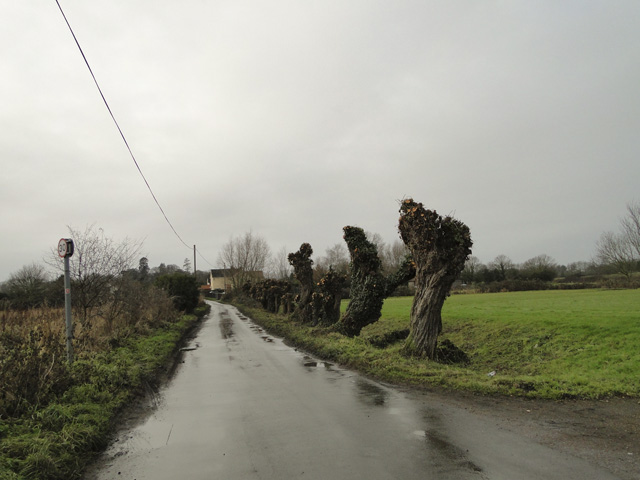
(303, 272)
(439, 247)
(369, 286)
(326, 301)
(269, 293)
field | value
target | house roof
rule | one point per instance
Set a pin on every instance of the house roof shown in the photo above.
(220, 272)
(227, 272)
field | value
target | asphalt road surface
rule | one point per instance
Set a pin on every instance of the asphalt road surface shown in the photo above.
(245, 406)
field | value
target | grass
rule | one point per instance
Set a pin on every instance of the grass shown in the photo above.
(543, 344)
(57, 440)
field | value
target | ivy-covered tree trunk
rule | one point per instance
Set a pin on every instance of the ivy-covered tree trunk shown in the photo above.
(303, 272)
(287, 303)
(327, 305)
(439, 247)
(268, 292)
(369, 287)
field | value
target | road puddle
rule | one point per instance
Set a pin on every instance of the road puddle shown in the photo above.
(226, 325)
(370, 393)
(447, 458)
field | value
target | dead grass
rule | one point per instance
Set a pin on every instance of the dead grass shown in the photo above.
(54, 417)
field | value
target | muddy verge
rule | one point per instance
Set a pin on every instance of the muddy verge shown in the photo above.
(603, 432)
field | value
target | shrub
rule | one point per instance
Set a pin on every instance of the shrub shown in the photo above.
(182, 288)
(32, 366)
(518, 285)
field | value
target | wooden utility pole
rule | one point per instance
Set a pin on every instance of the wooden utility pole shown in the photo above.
(194, 261)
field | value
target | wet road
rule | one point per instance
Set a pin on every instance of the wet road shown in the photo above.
(245, 406)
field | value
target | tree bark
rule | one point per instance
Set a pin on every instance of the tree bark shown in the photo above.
(426, 314)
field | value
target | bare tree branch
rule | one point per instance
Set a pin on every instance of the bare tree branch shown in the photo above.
(244, 257)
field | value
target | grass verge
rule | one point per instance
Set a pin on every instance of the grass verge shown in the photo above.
(58, 440)
(542, 344)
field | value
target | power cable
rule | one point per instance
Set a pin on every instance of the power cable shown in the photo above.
(119, 129)
(202, 256)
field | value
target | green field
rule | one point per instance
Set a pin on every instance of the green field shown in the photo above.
(584, 342)
(548, 344)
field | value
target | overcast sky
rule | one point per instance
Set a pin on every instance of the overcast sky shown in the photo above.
(295, 118)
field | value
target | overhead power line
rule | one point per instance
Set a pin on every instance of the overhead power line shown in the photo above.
(124, 139)
(202, 256)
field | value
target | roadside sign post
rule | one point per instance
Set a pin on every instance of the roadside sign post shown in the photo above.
(65, 250)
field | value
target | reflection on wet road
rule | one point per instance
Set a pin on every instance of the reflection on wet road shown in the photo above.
(245, 406)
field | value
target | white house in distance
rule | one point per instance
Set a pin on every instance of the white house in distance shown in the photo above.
(220, 279)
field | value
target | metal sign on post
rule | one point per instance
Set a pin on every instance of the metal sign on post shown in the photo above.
(65, 250)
